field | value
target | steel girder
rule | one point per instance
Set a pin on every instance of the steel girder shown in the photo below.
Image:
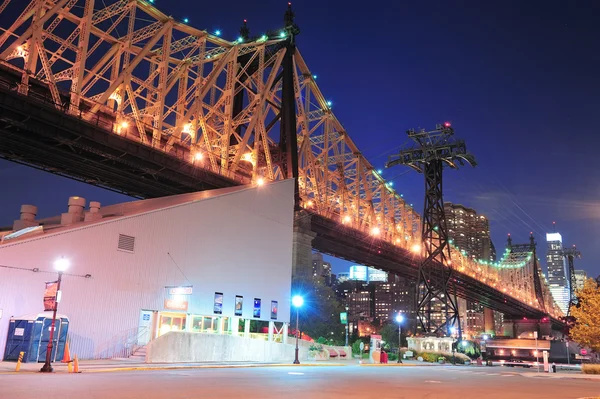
(433, 285)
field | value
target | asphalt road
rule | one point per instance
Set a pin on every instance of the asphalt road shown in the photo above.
(346, 382)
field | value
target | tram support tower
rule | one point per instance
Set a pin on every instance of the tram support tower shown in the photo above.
(433, 151)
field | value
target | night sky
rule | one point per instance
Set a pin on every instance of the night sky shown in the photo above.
(519, 80)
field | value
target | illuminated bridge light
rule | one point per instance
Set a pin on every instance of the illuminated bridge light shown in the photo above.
(198, 156)
(329, 103)
(376, 231)
(185, 20)
(260, 181)
(416, 248)
(347, 219)
(315, 77)
(217, 32)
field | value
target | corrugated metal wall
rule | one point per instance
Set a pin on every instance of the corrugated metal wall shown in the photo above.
(237, 244)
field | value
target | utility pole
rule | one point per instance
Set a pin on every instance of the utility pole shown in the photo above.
(432, 151)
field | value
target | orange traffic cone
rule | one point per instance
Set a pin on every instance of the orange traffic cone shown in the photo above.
(75, 365)
(67, 354)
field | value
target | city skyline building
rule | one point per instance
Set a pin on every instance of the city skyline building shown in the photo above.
(321, 269)
(557, 271)
(469, 231)
(367, 274)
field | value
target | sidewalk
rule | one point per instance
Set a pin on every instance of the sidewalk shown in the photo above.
(573, 374)
(405, 363)
(113, 365)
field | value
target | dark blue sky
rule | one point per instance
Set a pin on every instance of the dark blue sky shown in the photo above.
(520, 81)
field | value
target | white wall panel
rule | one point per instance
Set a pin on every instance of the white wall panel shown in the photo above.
(237, 244)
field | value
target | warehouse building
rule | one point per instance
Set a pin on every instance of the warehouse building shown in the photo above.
(198, 262)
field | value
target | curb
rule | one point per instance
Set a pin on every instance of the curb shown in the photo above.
(222, 366)
(563, 377)
(204, 366)
(395, 365)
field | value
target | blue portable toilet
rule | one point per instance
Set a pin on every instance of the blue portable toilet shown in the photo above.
(31, 333)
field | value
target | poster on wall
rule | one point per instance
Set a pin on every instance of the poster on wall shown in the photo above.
(256, 310)
(50, 295)
(274, 310)
(218, 307)
(239, 303)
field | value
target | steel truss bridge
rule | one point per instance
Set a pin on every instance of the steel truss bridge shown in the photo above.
(117, 94)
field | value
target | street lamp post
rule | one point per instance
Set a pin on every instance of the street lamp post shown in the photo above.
(452, 331)
(297, 301)
(60, 265)
(347, 325)
(399, 320)
(537, 360)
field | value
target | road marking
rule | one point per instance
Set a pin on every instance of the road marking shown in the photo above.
(293, 373)
(507, 375)
(433, 382)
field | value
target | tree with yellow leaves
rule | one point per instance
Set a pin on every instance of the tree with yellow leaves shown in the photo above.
(586, 331)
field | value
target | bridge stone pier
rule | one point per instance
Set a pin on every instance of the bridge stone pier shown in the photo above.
(489, 324)
(302, 245)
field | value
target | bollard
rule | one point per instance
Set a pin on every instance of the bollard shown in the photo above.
(75, 364)
(21, 354)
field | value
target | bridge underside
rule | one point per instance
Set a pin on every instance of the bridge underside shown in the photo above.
(34, 133)
(346, 243)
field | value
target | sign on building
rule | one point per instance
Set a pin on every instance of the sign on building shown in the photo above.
(174, 304)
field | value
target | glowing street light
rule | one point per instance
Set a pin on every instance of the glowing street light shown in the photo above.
(60, 265)
(399, 320)
(297, 302)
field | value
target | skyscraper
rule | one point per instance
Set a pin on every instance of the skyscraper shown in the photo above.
(557, 271)
(469, 232)
(321, 268)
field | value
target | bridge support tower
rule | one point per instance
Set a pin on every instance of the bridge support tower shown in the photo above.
(489, 323)
(302, 245)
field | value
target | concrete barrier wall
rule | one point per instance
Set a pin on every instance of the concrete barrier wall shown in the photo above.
(179, 346)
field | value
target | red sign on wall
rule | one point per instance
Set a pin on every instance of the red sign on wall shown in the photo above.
(173, 304)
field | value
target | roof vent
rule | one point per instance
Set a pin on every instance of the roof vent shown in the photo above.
(27, 219)
(126, 243)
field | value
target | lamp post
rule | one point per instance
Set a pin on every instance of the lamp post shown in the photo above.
(452, 332)
(537, 360)
(297, 301)
(60, 265)
(347, 325)
(399, 320)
